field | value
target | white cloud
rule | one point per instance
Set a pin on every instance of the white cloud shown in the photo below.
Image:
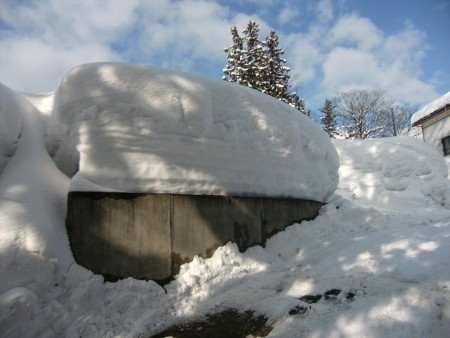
(324, 10)
(393, 66)
(406, 48)
(190, 33)
(32, 65)
(287, 14)
(70, 22)
(347, 68)
(305, 57)
(41, 40)
(333, 52)
(355, 30)
(352, 52)
(265, 3)
(198, 29)
(46, 38)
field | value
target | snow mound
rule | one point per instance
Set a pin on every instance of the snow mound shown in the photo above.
(392, 173)
(391, 269)
(144, 129)
(11, 124)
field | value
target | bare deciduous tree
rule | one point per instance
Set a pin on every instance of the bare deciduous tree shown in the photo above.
(363, 113)
(400, 120)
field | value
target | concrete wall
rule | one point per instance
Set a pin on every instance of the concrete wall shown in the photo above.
(148, 236)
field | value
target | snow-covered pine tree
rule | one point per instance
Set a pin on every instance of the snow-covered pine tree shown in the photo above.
(254, 58)
(260, 65)
(275, 74)
(244, 58)
(235, 68)
(298, 104)
(328, 120)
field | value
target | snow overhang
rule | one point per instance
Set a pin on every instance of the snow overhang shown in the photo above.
(431, 110)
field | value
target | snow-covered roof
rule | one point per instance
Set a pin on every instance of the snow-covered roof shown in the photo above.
(431, 108)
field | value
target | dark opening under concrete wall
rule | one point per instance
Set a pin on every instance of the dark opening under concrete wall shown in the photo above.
(149, 236)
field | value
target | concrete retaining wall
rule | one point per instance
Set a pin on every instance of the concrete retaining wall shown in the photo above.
(148, 236)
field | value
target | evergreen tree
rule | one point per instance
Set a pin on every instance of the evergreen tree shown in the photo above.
(235, 68)
(245, 58)
(254, 58)
(328, 120)
(260, 65)
(276, 75)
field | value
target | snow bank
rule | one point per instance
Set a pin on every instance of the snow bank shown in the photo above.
(143, 129)
(44, 103)
(59, 147)
(34, 249)
(430, 108)
(392, 267)
(10, 124)
(394, 173)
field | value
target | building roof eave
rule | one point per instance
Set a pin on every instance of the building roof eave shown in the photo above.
(430, 116)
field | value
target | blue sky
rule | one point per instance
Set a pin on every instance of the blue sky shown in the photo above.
(399, 46)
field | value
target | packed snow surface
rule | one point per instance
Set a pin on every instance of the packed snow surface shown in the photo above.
(389, 256)
(430, 108)
(144, 129)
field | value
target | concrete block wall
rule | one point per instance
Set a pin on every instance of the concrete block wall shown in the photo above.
(149, 236)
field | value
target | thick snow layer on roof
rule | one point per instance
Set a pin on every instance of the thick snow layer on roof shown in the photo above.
(430, 108)
(144, 129)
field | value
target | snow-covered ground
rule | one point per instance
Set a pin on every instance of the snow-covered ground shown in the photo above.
(383, 240)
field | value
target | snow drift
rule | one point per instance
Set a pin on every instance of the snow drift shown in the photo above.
(11, 123)
(394, 264)
(392, 173)
(143, 129)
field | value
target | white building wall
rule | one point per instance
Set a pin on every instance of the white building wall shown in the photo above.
(434, 133)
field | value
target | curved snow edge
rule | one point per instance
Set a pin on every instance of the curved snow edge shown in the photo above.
(144, 129)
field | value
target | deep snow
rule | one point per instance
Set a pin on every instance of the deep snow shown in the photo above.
(144, 129)
(384, 237)
(394, 173)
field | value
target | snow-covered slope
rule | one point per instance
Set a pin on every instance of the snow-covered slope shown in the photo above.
(34, 249)
(390, 265)
(144, 129)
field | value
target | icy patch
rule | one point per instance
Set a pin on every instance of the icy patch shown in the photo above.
(143, 129)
